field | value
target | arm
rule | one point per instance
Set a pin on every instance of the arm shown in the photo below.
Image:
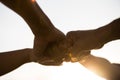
(101, 67)
(33, 15)
(109, 32)
(94, 39)
(13, 59)
(39, 23)
(48, 40)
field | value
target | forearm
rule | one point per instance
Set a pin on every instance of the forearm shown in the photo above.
(13, 59)
(33, 15)
(101, 67)
(115, 32)
(37, 20)
(109, 32)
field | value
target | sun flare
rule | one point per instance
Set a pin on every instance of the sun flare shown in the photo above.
(68, 71)
(33, 0)
(74, 71)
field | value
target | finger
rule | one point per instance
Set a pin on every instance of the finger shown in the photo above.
(83, 54)
(79, 56)
(76, 48)
(38, 49)
(50, 63)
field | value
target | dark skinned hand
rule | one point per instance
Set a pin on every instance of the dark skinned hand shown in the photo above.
(50, 51)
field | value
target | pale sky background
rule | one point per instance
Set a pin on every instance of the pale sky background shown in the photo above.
(66, 15)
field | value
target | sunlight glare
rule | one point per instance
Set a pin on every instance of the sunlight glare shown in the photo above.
(67, 71)
(33, 0)
(74, 71)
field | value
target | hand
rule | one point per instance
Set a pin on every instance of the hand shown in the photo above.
(81, 41)
(79, 57)
(50, 50)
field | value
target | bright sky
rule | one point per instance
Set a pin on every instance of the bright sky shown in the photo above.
(66, 15)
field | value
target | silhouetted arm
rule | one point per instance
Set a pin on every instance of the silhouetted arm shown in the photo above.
(101, 67)
(109, 32)
(13, 59)
(82, 40)
(33, 15)
(47, 42)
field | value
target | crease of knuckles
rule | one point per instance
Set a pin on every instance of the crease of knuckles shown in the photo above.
(67, 57)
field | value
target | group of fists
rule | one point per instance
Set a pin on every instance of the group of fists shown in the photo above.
(51, 46)
(70, 48)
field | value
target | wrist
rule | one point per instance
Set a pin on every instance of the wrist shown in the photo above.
(28, 55)
(103, 35)
(115, 29)
(85, 59)
(109, 32)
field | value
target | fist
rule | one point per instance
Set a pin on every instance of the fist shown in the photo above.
(50, 50)
(83, 41)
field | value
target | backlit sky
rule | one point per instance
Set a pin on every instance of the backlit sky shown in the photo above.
(66, 15)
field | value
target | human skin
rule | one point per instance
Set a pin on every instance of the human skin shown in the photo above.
(48, 42)
(48, 46)
(47, 34)
(102, 67)
(13, 59)
(85, 40)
